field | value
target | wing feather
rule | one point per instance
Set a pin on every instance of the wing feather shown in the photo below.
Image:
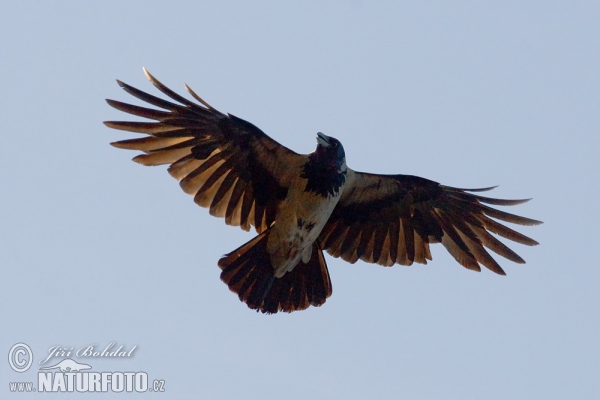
(148, 144)
(144, 112)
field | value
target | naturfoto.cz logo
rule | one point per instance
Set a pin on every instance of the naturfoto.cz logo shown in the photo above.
(69, 375)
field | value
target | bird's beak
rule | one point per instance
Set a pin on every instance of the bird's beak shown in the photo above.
(322, 140)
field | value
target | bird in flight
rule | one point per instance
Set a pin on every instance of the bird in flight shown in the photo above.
(303, 204)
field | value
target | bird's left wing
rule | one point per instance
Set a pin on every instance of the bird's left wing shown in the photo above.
(228, 165)
(391, 219)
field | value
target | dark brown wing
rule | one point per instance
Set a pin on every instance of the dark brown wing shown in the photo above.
(391, 219)
(228, 165)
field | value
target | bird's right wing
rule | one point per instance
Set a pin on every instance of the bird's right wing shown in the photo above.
(228, 165)
(392, 219)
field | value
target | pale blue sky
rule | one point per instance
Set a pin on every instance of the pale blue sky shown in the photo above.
(97, 249)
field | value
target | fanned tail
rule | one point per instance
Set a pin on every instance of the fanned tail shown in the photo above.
(248, 273)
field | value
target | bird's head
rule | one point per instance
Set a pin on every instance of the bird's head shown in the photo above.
(330, 152)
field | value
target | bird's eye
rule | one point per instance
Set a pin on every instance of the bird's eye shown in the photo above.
(335, 144)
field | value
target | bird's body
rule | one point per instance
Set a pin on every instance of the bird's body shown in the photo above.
(301, 205)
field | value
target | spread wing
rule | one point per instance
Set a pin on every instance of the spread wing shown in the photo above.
(229, 165)
(392, 219)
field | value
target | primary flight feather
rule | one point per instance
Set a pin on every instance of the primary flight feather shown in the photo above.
(302, 204)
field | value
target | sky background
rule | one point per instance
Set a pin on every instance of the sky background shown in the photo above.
(96, 249)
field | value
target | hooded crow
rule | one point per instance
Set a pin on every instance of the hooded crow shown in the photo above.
(301, 204)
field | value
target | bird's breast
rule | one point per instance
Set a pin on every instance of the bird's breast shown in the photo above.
(300, 220)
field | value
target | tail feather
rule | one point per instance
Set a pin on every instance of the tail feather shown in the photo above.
(249, 273)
